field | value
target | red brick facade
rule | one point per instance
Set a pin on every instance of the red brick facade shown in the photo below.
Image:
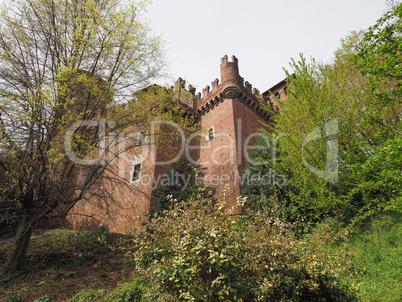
(229, 115)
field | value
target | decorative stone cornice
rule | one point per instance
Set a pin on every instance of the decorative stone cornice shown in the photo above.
(231, 92)
(244, 99)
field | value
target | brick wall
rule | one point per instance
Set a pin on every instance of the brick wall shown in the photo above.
(232, 110)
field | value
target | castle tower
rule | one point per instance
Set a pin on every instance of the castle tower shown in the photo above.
(230, 116)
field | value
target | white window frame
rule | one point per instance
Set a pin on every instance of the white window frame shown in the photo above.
(136, 162)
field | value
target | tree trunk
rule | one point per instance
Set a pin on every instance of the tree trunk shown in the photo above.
(16, 256)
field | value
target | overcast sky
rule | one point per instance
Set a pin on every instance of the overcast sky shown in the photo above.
(263, 35)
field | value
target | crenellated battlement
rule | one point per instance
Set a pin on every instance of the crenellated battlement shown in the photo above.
(205, 91)
(180, 83)
(230, 70)
(215, 84)
(224, 60)
(230, 86)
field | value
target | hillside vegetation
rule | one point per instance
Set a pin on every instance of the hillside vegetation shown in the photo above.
(209, 254)
(330, 230)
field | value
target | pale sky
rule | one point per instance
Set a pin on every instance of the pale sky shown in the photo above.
(263, 35)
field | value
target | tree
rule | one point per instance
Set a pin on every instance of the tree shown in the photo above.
(392, 3)
(331, 139)
(267, 191)
(380, 60)
(178, 185)
(63, 63)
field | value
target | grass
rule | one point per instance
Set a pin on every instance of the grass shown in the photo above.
(368, 261)
(61, 263)
(376, 250)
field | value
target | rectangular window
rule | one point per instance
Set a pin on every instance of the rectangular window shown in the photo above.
(211, 133)
(136, 172)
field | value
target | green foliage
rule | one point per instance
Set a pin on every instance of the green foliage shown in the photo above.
(14, 297)
(378, 259)
(182, 181)
(380, 56)
(200, 252)
(43, 299)
(130, 292)
(371, 256)
(88, 295)
(65, 63)
(377, 182)
(64, 249)
(133, 291)
(306, 111)
(267, 190)
(336, 145)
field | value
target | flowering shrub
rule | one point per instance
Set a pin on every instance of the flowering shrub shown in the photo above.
(200, 252)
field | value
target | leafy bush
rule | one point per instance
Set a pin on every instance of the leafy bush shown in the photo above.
(367, 259)
(43, 299)
(376, 250)
(200, 252)
(131, 292)
(88, 295)
(377, 182)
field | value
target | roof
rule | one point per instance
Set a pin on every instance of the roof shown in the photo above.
(275, 87)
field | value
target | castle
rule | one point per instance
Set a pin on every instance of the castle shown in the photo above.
(229, 115)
